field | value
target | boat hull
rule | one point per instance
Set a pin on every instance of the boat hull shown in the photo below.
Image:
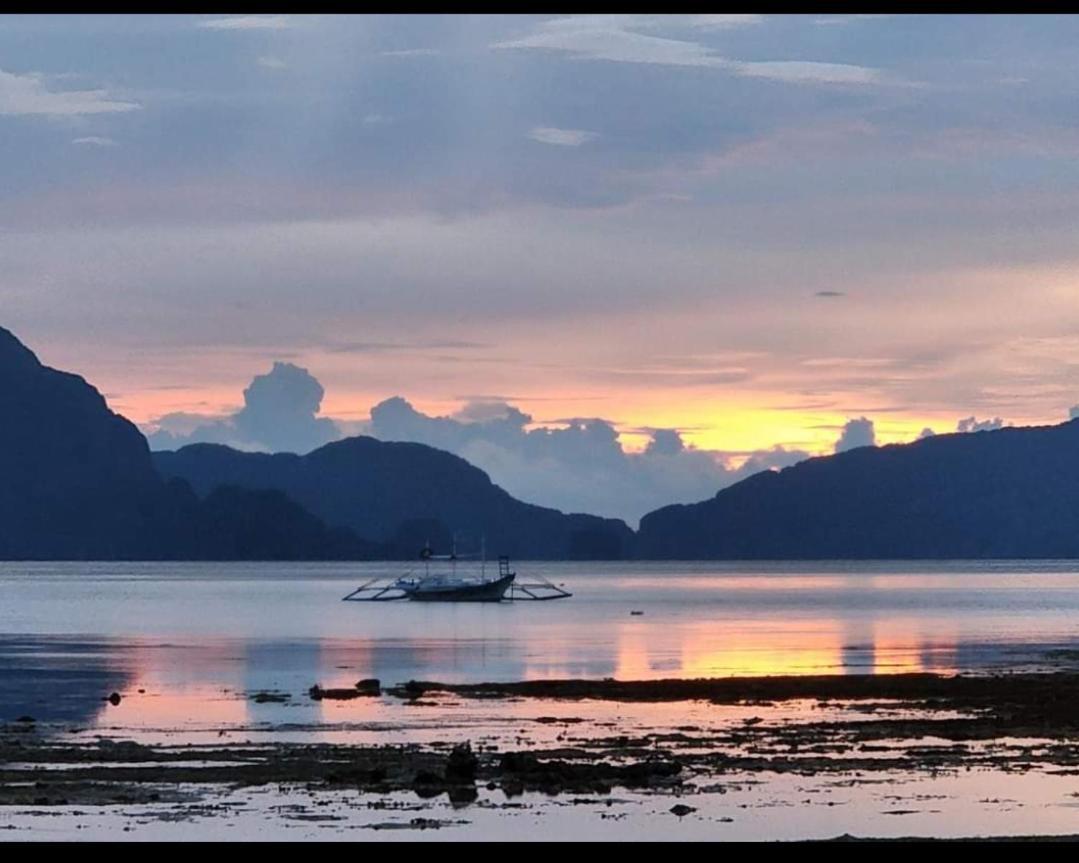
(491, 591)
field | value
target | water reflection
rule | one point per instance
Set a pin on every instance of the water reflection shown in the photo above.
(213, 684)
(58, 681)
(199, 639)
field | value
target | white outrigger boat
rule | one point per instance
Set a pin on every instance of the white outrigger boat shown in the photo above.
(451, 586)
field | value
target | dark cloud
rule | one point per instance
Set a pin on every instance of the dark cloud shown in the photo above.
(856, 433)
(830, 294)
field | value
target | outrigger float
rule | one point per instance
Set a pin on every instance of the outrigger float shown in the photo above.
(449, 586)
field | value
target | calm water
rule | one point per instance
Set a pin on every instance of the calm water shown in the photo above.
(246, 626)
(187, 645)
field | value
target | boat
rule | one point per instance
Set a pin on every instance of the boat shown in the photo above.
(446, 584)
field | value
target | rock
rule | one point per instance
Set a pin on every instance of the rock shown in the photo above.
(317, 693)
(114, 699)
(427, 784)
(270, 697)
(462, 764)
(29, 719)
(369, 686)
(462, 795)
(681, 810)
(513, 787)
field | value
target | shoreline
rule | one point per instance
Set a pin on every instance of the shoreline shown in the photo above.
(872, 728)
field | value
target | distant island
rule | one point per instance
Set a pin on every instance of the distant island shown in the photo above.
(78, 482)
(1009, 493)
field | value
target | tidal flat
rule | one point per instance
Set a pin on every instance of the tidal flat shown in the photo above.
(781, 757)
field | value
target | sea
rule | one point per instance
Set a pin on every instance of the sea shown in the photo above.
(188, 646)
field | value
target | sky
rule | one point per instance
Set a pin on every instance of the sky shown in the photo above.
(626, 251)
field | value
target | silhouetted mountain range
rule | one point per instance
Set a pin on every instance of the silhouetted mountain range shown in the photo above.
(402, 495)
(77, 481)
(1012, 493)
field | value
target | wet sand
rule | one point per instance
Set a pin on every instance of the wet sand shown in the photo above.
(573, 746)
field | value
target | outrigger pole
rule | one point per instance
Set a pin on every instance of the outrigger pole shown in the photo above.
(540, 591)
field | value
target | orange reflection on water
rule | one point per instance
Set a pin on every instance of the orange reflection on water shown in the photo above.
(760, 648)
(650, 650)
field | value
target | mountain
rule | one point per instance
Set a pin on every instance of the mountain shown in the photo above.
(1012, 493)
(77, 483)
(76, 479)
(403, 494)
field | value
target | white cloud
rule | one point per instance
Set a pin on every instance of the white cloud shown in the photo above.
(801, 71)
(606, 37)
(843, 20)
(413, 52)
(247, 22)
(95, 141)
(724, 22)
(280, 414)
(29, 94)
(272, 63)
(614, 38)
(971, 424)
(856, 433)
(579, 467)
(561, 137)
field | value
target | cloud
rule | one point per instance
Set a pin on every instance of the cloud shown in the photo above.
(272, 63)
(29, 95)
(578, 467)
(561, 137)
(725, 22)
(413, 52)
(606, 37)
(95, 141)
(808, 72)
(575, 465)
(1073, 412)
(970, 424)
(830, 294)
(843, 20)
(665, 442)
(614, 38)
(856, 433)
(247, 22)
(279, 415)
